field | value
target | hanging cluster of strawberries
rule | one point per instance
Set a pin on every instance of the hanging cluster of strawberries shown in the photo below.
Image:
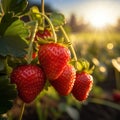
(36, 53)
(55, 66)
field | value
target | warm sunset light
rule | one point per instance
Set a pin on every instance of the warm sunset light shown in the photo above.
(99, 20)
(100, 17)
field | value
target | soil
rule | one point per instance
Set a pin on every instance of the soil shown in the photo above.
(93, 111)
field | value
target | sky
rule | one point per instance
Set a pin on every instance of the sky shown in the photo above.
(88, 9)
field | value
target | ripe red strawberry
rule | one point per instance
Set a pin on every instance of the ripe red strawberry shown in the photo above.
(82, 86)
(43, 34)
(34, 55)
(47, 34)
(116, 96)
(53, 58)
(30, 81)
(64, 83)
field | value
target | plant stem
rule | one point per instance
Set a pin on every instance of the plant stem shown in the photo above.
(43, 11)
(22, 111)
(68, 40)
(117, 73)
(1, 9)
(43, 6)
(117, 78)
(29, 56)
(51, 25)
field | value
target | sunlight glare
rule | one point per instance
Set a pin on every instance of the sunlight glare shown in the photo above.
(110, 46)
(102, 69)
(100, 17)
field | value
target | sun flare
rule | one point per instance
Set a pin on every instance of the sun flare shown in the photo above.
(100, 17)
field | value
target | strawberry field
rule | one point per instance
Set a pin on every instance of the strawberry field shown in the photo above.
(50, 73)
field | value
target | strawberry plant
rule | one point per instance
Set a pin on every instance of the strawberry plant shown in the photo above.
(33, 54)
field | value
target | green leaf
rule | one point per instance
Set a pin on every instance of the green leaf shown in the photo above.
(13, 46)
(6, 21)
(14, 62)
(2, 64)
(5, 106)
(57, 19)
(85, 66)
(3, 80)
(16, 6)
(8, 93)
(13, 31)
(11, 25)
(3, 118)
(34, 14)
(17, 28)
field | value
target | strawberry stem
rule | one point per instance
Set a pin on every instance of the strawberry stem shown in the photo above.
(68, 40)
(30, 49)
(22, 111)
(2, 11)
(43, 11)
(51, 25)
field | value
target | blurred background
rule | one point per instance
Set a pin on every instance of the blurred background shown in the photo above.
(94, 29)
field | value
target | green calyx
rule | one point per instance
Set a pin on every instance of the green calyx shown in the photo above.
(82, 65)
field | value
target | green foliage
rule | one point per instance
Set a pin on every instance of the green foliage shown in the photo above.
(2, 65)
(72, 112)
(35, 14)
(82, 65)
(13, 32)
(13, 46)
(17, 28)
(6, 21)
(57, 19)
(4, 68)
(14, 62)
(11, 26)
(16, 6)
(7, 94)
(3, 118)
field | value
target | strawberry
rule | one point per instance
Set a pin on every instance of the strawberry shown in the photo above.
(30, 81)
(116, 96)
(43, 34)
(47, 34)
(34, 55)
(82, 86)
(53, 58)
(64, 83)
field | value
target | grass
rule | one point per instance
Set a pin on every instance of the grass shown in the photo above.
(98, 36)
